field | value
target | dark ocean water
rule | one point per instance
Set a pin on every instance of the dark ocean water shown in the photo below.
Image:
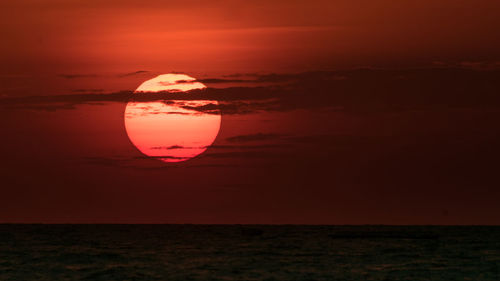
(217, 252)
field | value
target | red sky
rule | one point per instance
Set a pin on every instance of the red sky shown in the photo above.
(232, 36)
(367, 112)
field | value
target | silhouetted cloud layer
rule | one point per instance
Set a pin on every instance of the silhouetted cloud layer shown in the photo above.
(362, 90)
(253, 137)
(134, 73)
(94, 75)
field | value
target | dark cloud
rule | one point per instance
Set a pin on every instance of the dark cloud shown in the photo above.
(93, 75)
(134, 73)
(210, 108)
(50, 107)
(218, 166)
(361, 90)
(475, 65)
(219, 80)
(56, 102)
(252, 147)
(73, 76)
(337, 140)
(267, 78)
(171, 147)
(225, 147)
(267, 150)
(88, 90)
(253, 137)
(237, 75)
(164, 157)
(247, 154)
(133, 163)
(106, 161)
(279, 140)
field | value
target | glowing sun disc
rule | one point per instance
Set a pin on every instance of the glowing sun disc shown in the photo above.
(174, 130)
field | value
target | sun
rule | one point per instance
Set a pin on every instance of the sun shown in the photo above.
(172, 130)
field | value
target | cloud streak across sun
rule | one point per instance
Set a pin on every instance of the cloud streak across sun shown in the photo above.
(171, 82)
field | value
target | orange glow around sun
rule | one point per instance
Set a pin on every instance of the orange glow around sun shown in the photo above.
(173, 130)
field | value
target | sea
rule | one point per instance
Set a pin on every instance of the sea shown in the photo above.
(248, 252)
